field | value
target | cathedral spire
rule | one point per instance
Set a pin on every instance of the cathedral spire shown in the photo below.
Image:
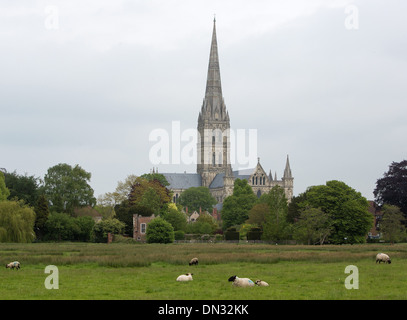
(287, 170)
(213, 84)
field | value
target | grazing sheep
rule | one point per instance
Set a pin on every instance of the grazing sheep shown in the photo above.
(185, 277)
(193, 261)
(241, 282)
(14, 264)
(382, 257)
(261, 283)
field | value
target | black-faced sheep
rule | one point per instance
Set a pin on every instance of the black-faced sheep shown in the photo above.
(13, 265)
(194, 261)
(241, 282)
(185, 277)
(382, 257)
(261, 283)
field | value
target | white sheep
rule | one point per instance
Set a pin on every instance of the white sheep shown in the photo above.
(261, 283)
(193, 261)
(382, 257)
(185, 277)
(241, 282)
(14, 264)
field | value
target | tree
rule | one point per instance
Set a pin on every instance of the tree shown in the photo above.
(392, 188)
(176, 218)
(101, 229)
(151, 194)
(313, 226)
(67, 188)
(196, 198)
(16, 222)
(4, 191)
(275, 227)
(41, 216)
(121, 193)
(347, 209)
(156, 176)
(236, 207)
(257, 214)
(392, 225)
(23, 187)
(160, 231)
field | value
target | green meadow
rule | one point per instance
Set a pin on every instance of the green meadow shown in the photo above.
(88, 271)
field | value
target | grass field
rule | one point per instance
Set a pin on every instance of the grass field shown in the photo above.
(148, 271)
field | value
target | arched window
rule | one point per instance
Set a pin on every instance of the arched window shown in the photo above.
(258, 194)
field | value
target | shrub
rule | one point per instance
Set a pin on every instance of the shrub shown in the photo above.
(231, 234)
(179, 235)
(102, 228)
(160, 231)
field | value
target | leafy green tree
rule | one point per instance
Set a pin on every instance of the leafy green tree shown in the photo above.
(101, 229)
(176, 218)
(23, 187)
(16, 222)
(68, 188)
(156, 176)
(392, 226)
(160, 231)
(347, 209)
(150, 194)
(41, 216)
(275, 227)
(197, 198)
(392, 188)
(257, 214)
(4, 191)
(236, 207)
(313, 226)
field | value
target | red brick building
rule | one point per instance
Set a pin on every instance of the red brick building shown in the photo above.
(374, 233)
(140, 224)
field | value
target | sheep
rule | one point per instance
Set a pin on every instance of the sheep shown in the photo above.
(261, 283)
(241, 282)
(382, 257)
(12, 265)
(185, 277)
(193, 261)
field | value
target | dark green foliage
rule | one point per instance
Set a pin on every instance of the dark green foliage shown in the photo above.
(41, 216)
(392, 188)
(23, 187)
(160, 231)
(68, 188)
(231, 234)
(101, 229)
(254, 234)
(347, 210)
(236, 207)
(63, 227)
(197, 198)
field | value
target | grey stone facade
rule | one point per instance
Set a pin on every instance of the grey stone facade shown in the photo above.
(214, 169)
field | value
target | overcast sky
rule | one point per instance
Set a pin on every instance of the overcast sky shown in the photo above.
(86, 82)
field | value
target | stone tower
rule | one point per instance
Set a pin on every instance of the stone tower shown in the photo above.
(213, 124)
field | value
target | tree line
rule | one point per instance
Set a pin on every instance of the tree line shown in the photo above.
(62, 206)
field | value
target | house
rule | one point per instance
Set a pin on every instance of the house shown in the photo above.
(140, 227)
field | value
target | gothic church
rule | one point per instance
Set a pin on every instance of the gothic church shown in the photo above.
(214, 169)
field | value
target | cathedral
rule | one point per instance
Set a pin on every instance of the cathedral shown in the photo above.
(214, 168)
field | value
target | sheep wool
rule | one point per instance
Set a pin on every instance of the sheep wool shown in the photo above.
(13, 265)
(193, 261)
(382, 257)
(185, 277)
(241, 282)
(261, 283)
